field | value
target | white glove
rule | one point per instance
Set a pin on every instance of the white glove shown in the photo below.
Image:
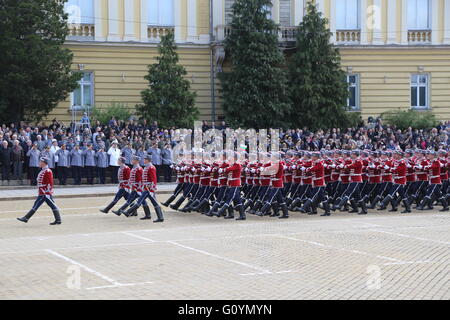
(220, 170)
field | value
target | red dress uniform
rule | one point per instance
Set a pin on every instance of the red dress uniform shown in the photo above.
(444, 172)
(149, 178)
(123, 175)
(421, 173)
(234, 175)
(288, 172)
(327, 167)
(196, 171)
(307, 176)
(345, 171)
(45, 182)
(297, 172)
(355, 170)
(385, 167)
(410, 172)
(318, 174)
(434, 172)
(365, 163)
(335, 171)
(399, 171)
(215, 174)
(264, 179)
(205, 175)
(136, 179)
(373, 172)
(244, 173)
(223, 177)
(277, 178)
(180, 172)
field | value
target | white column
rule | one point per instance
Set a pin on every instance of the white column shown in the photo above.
(447, 22)
(435, 21)
(177, 20)
(129, 32)
(143, 25)
(404, 22)
(298, 11)
(333, 20)
(376, 20)
(392, 22)
(113, 20)
(363, 21)
(99, 16)
(192, 21)
(276, 11)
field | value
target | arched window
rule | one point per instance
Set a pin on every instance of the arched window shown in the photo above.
(80, 11)
(160, 12)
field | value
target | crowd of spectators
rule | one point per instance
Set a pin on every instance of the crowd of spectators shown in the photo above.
(92, 151)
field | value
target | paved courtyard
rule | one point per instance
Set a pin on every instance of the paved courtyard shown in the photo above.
(190, 256)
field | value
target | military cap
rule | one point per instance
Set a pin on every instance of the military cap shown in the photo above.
(44, 159)
(136, 158)
(148, 157)
(356, 152)
(399, 152)
(122, 159)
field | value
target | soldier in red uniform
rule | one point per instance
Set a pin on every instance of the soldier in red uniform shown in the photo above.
(373, 176)
(135, 184)
(222, 183)
(149, 182)
(45, 193)
(123, 175)
(180, 182)
(422, 177)
(434, 187)
(384, 166)
(397, 188)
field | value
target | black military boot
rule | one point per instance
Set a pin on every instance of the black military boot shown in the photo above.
(147, 213)
(108, 207)
(226, 208)
(264, 210)
(256, 207)
(407, 206)
(424, 202)
(169, 201)
(385, 202)
(200, 205)
(57, 217)
(214, 208)
(121, 209)
(313, 209)
(444, 204)
(159, 214)
(248, 204)
(285, 211)
(241, 213)
(306, 206)
(374, 202)
(276, 210)
(205, 208)
(363, 205)
(130, 211)
(294, 204)
(187, 207)
(394, 205)
(326, 207)
(27, 217)
(354, 206)
(178, 203)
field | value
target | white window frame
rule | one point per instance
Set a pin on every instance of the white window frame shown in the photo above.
(357, 91)
(358, 18)
(420, 85)
(429, 16)
(159, 23)
(78, 15)
(81, 83)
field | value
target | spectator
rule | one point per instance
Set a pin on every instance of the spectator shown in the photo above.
(17, 158)
(5, 160)
(34, 158)
(114, 155)
(63, 164)
(166, 157)
(101, 158)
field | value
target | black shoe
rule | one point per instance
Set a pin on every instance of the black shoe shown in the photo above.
(406, 211)
(229, 217)
(158, 220)
(103, 210)
(22, 219)
(55, 223)
(283, 217)
(117, 212)
(326, 214)
(444, 209)
(145, 218)
(241, 218)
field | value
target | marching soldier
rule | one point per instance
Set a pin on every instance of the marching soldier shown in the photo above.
(45, 187)
(135, 184)
(123, 175)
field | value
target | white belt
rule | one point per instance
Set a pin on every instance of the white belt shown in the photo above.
(432, 177)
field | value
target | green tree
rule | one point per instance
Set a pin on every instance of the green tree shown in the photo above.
(317, 87)
(117, 110)
(255, 89)
(168, 98)
(34, 67)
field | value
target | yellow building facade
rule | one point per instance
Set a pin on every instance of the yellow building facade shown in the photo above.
(396, 52)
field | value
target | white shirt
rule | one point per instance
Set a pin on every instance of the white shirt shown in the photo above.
(53, 150)
(114, 155)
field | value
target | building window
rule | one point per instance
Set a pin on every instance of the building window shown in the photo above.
(80, 11)
(285, 13)
(83, 96)
(160, 12)
(353, 87)
(419, 91)
(347, 14)
(228, 11)
(418, 14)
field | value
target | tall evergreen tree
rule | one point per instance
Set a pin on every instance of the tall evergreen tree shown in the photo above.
(34, 67)
(255, 90)
(168, 98)
(317, 82)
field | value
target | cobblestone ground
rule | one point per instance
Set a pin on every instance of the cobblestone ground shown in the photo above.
(190, 256)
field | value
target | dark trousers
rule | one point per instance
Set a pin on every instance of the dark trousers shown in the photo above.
(113, 170)
(76, 175)
(32, 174)
(62, 175)
(275, 195)
(233, 194)
(6, 168)
(47, 199)
(159, 171)
(101, 175)
(167, 172)
(89, 172)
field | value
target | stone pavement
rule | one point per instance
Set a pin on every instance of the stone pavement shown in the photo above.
(189, 256)
(28, 193)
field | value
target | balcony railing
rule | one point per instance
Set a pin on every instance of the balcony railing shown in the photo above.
(348, 36)
(419, 36)
(285, 34)
(155, 33)
(81, 32)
